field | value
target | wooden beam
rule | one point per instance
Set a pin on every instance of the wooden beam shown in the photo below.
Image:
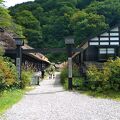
(44, 50)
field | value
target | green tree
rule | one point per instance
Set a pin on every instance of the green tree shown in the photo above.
(83, 3)
(47, 22)
(34, 38)
(109, 8)
(31, 26)
(5, 18)
(26, 19)
(87, 25)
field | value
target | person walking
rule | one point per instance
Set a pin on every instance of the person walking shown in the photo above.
(43, 73)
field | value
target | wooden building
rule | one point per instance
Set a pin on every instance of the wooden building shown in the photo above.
(99, 49)
(35, 61)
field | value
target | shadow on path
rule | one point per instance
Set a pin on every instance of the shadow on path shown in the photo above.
(46, 92)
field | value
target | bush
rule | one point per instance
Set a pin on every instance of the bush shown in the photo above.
(8, 74)
(2, 81)
(26, 78)
(114, 79)
(77, 79)
(98, 79)
(105, 79)
(50, 69)
(63, 75)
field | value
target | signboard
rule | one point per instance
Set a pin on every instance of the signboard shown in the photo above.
(69, 40)
(70, 67)
(18, 63)
(19, 41)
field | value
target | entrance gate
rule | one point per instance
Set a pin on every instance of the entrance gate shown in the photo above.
(69, 49)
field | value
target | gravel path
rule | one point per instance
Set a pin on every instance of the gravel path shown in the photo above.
(50, 102)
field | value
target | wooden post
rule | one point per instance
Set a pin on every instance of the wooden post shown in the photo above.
(118, 51)
(81, 57)
(69, 41)
(19, 61)
(69, 49)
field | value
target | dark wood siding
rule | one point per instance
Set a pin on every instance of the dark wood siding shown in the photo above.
(91, 54)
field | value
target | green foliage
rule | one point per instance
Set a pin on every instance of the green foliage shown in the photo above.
(77, 79)
(107, 94)
(7, 23)
(57, 57)
(114, 79)
(1, 51)
(31, 27)
(87, 25)
(8, 74)
(2, 79)
(9, 98)
(26, 78)
(47, 22)
(83, 3)
(5, 18)
(63, 75)
(98, 79)
(26, 19)
(109, 8)
(1, 1)
(105, 79)
(16, 29)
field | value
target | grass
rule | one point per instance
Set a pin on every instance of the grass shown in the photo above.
(109, 94)
(11, 97)
(106, 94)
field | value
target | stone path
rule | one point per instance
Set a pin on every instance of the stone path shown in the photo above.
(50, 102)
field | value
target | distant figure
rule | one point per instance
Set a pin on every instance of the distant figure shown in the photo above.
(53, 76)
(42, 74)
(50, 75)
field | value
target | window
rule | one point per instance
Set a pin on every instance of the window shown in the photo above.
(111, 51)
(104, 43)
(114, 43)
(103, 50)
(104, 39)
(114, 38)
(106, 53)
(114, 34)
(94, 43)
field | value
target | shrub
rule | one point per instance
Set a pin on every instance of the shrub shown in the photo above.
(1, 51)
(8, 74)
(50, 69)
(107, 78)
(11, 74)
(64, 74)
(26, 78)
(77, 79)
(2, 81)
(98, 79)
(9, 70)
(114, 79)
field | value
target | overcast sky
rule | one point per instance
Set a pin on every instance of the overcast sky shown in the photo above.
(9, 3)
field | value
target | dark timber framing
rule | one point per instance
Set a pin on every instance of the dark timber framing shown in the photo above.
(99, 48)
